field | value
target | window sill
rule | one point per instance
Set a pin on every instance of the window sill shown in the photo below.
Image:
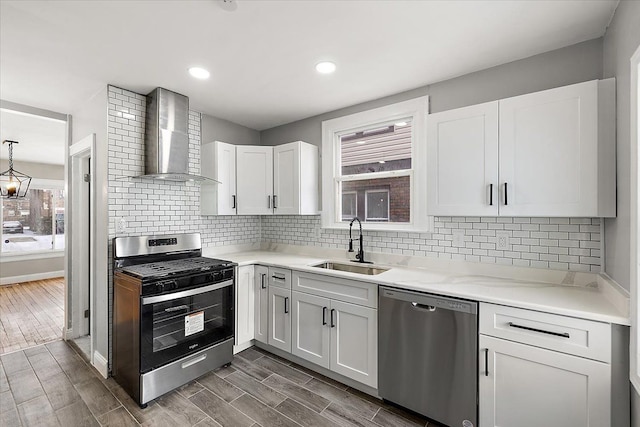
(18, 256)
(384, 227)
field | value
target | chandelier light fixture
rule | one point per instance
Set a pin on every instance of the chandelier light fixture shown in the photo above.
(13, 184)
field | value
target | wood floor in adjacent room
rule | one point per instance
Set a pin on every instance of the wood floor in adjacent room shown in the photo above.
(31, 313)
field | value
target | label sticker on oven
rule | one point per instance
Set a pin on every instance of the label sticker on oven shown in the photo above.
(193, 323)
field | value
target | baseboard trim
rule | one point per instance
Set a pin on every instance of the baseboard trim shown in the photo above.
(101, 364)
(30, 277)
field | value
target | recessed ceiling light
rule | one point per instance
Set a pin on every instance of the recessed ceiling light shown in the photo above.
(228, 5)
(325, 67)
(401, 124)
(199, 73)
(381, 161)
(360, 142)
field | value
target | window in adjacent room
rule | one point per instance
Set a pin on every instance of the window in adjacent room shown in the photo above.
(34, 223)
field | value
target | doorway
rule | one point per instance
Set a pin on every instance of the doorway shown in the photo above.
(81, 253)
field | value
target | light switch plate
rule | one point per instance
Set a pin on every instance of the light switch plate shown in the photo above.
(502, 240)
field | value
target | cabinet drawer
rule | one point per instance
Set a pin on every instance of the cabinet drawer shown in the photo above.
(280, 277)
(569, 335)
(353, 291)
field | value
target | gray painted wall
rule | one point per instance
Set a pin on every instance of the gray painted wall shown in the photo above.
(33, 266)
(573, 64)
(36, 170)
(87, 119)
(215, 129)
(620, 42)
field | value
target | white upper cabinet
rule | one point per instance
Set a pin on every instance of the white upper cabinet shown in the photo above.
(462, 161)
(218, 161)
(258, 180)
(254, 179)
(295, 178)
(549, 153)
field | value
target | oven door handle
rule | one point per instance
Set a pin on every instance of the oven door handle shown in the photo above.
(187, 293)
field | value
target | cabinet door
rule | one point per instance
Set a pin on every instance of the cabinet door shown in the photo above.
(354, 342)
(286, 178)
(255, 180)
(261, 305)
(526, 386)
(462, 161)
(310, 328)
(280, 318)
(218, 162)
(549, 152)
(245, 299)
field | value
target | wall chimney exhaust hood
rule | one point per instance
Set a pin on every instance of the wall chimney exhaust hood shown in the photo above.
(166, 139)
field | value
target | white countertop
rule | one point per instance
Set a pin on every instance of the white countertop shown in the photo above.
(592, 300)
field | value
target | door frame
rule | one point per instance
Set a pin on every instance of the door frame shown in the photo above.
(81, 252)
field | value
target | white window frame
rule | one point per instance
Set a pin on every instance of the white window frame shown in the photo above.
(366, 205)
(355, 193)
(634, 348)
(38, 184)
(415, 109)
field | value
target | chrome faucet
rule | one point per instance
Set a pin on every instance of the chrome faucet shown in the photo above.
(360, 254)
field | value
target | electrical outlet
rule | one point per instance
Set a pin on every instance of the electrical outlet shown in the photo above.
(502, 240)
(121, 225)
(458, 238)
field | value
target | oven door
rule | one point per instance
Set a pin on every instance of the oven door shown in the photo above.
(177, 324)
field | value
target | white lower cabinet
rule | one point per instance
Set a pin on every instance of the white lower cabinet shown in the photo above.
(526, 386)
(542, 369)
(310, 328)
(245, 311)
(261, 304)
(334, 334)
(280, 318)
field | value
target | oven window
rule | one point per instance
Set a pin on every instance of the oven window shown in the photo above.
(174, 328)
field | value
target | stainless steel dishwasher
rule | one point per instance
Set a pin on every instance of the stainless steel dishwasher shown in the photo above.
(427, 355)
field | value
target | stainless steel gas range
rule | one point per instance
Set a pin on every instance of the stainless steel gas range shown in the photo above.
(173, 317)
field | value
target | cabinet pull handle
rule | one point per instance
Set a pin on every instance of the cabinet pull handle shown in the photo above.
(234, 201)
(269, 201)
(286, 305)
(274, 201)
(542, 331)
(333, 323)
(262, 281)
(324, 316)
(490, 194)
(506, 200)
(486, 362)
(277, 277)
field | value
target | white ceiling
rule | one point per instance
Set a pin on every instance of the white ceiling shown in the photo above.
(57, 54)
(40, 139)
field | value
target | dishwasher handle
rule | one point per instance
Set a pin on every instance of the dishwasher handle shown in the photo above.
(424, 307)
(425, 301)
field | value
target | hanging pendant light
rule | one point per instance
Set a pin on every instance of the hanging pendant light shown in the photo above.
(13, 184)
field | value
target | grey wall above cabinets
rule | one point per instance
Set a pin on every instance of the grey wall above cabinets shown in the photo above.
(620, 42)
(572, 64)
(215, 129)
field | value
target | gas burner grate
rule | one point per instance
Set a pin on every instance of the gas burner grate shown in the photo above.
(174, 267)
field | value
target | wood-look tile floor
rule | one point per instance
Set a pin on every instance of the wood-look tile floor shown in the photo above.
(51, 385)
(31, 313)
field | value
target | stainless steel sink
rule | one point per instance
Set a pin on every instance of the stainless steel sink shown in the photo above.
(352, 268)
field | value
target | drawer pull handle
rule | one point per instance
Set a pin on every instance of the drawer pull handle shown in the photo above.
(542, 331)
(486, 362)
(278, 277)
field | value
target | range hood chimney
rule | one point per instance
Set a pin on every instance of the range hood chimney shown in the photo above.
(166, 139)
